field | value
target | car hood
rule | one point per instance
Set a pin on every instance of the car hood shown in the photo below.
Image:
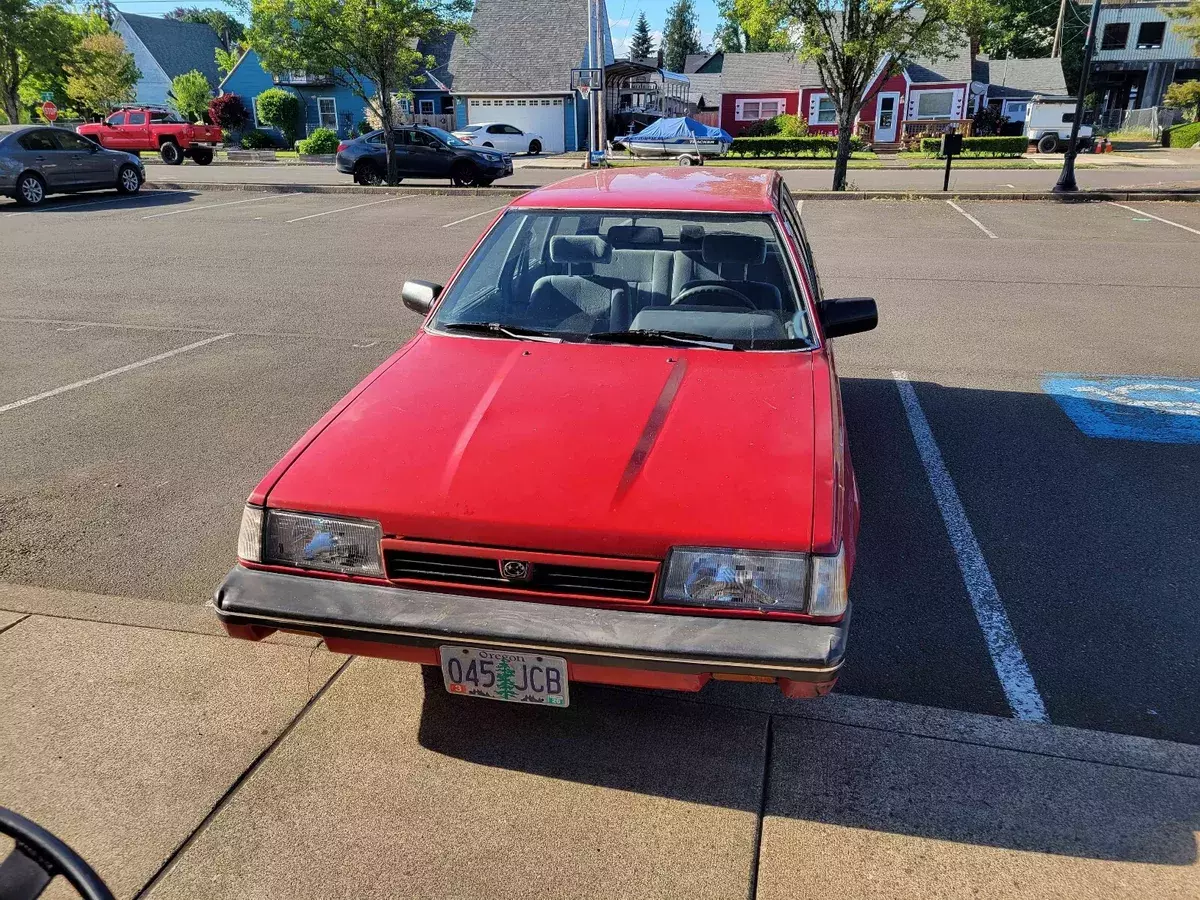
(607, 450)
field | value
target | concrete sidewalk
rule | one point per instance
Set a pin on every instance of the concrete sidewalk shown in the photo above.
(183, 764)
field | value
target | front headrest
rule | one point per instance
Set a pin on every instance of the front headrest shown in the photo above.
(691, 237)
(734, 248)
(636, 234)
(579, 248)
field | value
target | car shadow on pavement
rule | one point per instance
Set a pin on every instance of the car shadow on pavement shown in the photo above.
(100, 201)
(1063, 520)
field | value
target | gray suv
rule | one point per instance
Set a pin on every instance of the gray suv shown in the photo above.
(36, 161)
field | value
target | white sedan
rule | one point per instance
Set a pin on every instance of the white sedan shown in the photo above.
(507, 138)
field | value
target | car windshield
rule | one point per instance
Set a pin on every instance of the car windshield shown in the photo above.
(446, 137)
(716, 280)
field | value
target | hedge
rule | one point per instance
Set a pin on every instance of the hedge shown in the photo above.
(982, 146)
(777, 147)
(1182, 135)
(322, 142)
(256, 140)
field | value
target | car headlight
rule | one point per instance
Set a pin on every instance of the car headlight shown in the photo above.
(720, 578)
(324, 543)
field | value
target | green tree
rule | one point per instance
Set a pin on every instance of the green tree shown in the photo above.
(226, 60)
(505, 682)
(190, 93)
(1189, 20)
(280, 109)
(228, 29)
(753, 26)
(681, 35)
(641, 47)
(102, 74)
(847, 39)
(1185, 95)
(35, 40)
(368, 46)
(728, 36)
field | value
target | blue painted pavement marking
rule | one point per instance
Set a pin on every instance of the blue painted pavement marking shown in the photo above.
(1131, 408)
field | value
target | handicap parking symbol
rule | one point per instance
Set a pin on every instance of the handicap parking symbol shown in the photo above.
(1130, 408)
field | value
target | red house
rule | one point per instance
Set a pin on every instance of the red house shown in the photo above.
(757, 86)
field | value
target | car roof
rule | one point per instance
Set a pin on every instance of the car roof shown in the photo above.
(696, 189)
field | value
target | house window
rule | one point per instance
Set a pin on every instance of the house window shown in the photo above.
(426, 107)
(756, 110)
(522, 103)
(258, 122)
(826, 112)
(486, 102)
(327, 112)
(545, 103)
(474, 102)
(1116, 36)
(509, 102)
(935, 104)
(1150, 35)
(558, 101)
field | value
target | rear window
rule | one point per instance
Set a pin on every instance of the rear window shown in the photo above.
(37, 140)
(575, 274)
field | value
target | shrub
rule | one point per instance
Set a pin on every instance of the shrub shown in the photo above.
(981, 146)
(364, 127)
(782, 125)
(1182, 135)
(228, 111)
(280, 109)
(783, 147)
(190, 94)
(988, 122)
(1185, 96)
(257, 140)
(323, 141)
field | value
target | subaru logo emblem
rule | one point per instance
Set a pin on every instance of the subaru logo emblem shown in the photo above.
(515, 569)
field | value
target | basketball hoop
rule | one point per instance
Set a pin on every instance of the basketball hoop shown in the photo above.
(584, 90)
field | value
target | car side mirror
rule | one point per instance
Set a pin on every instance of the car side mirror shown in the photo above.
(419, 295)
(849, 315)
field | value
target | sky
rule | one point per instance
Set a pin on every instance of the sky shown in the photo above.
(621, 15)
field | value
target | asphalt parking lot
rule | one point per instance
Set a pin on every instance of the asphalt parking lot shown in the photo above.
(1020, 427)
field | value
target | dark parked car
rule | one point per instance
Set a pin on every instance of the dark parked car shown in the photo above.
(422, 152)
(36, 161)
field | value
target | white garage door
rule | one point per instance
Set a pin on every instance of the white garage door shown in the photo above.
(543, 115)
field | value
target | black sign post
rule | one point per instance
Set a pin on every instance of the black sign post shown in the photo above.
(952, 144)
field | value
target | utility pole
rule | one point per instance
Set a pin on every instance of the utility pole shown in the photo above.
(601, 124)
(1066, 181)
(591, 97)
(1056, 53)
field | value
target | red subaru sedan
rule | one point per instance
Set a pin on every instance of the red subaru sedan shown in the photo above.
(614, 453)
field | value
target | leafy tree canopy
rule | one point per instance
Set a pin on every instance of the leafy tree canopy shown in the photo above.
(190, 93)
(681, 35)
(752, 26)
(102, 75)
(228, 29)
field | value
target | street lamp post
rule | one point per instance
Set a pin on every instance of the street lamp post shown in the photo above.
(1066, 181)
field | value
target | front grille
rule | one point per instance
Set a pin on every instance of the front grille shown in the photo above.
(608, 584)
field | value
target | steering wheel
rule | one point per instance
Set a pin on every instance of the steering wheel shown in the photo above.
(712, 293)
(37, 858)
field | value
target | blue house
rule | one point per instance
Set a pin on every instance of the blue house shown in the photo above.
(329, 104)
(516, 68)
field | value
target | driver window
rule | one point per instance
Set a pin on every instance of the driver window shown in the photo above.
(509, 129)
(421, 139)
(117, 118)
(496, 129)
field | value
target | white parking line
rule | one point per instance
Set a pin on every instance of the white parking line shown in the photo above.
(330, 212)
(1152, 216)
(103, 375)
(476, 216)
(979, 224)
(176, 212)
(70, 206)
(1011, 668)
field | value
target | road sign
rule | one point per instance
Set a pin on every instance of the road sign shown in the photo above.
(49, 110)
(47, 95)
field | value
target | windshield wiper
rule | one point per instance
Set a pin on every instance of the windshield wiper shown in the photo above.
(652, 336)
(512, 331)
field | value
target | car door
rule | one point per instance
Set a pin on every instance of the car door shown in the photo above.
(89, 166)
(40, 152)
(515, 139)
(135, 133)
(109, 134)
(427, 158)
(496, 136)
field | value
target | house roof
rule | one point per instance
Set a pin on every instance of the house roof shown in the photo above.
(438, 74)
(508, 51)
(1021, 77)
(761, 72)
(178, 47)
(704, 85)
(697, 62)
(956, 68)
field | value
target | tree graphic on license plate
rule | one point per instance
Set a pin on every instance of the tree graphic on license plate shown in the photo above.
(504, 680)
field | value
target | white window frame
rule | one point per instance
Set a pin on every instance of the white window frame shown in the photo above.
(1008, 104)
(258, 123)
(921, 95)
(421, 107)
(321, 117)
(816, 118)
(740, 113)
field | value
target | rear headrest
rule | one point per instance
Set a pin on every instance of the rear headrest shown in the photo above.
(579, 248)
(636, 234)
(733, 248)
(691, 237)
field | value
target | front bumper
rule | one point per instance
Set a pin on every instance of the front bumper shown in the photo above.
(601, 645)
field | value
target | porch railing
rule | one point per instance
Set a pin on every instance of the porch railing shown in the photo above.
(866, 131)
(912, 130)
(445, 121)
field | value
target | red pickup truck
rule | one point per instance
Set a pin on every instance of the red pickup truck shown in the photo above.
(155, 129)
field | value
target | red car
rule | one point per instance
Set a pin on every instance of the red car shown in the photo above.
(155, 129)
(614, 453)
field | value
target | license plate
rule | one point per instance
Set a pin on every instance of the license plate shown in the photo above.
(505, 675)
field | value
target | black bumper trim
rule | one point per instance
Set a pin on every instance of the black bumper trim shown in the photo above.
(633, 639)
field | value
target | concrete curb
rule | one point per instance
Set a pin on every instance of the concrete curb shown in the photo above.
(512, 191)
